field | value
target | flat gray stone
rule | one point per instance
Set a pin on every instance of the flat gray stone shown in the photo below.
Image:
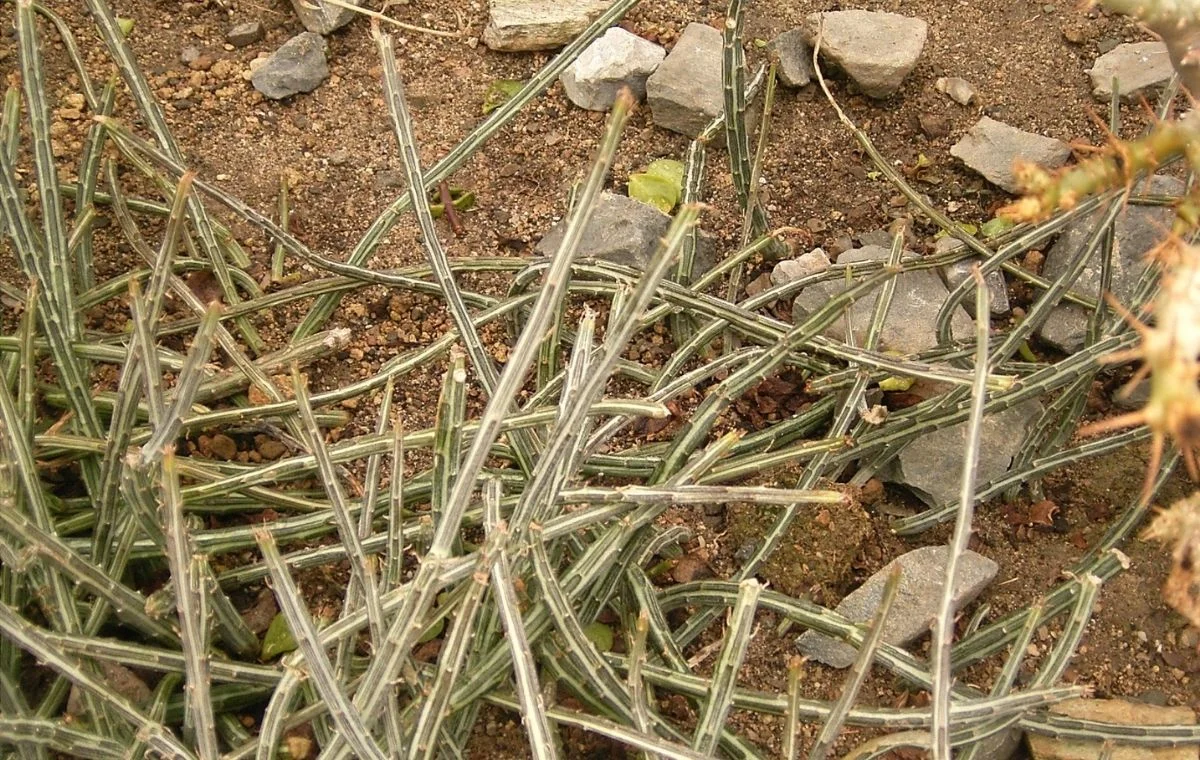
(998, 290)
(923, 576)
(324, 18)
(248, 33)
(992, 148)
(804, 265)
(961, 270)
(1138, 67)
(931, 466)
(911, 320)
(625, 231)
(685, 92)
(1136, 398)
(520, 25)
(298, 65)
(617, 59)
(881, 238)
(1001, 745)
(793, 56)
(1137, 230)
(957, 89)
(876, 50)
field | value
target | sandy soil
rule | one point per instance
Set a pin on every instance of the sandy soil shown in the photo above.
(335, 146)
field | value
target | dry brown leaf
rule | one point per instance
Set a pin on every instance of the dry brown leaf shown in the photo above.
(1181, 525)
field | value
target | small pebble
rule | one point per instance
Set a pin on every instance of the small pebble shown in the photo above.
(222, 447)
(245, 34)
(959, 90)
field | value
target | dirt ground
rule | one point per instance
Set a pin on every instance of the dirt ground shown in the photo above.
(1028, 61)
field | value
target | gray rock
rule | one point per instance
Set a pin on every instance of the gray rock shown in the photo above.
(1137, 230)
(876, 50)
(625, 231)
(520, 25)
(245, 34)
(1119, 712)
(685, 92)
(324, 18)
(881, 238)
(910, 324)
(1001, 745)
(992, 148)
(961, 270)
(618, 59)
(298, 65)
(1138, 66)
(794, 58)
(117, 677)
(923, 576)
(931, 466)
(1134, 398)
(813, 262)
(958, 89)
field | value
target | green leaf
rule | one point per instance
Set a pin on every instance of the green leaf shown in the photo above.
(668, 168)
(462, 200)
(439, 625)
(277, 640)
(500, 92)
(125, 25)
(433, 631)
(896, 383)
(970, 229)
(660, 184)
(656, 191)
(997, 226)
(600, 635)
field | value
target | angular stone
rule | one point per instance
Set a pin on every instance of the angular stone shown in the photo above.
(685, 92)
(881, 238)
(923, 576)
(910, 326)
(324, 18)
(625, 231)
(961, 270)
(794, 58)
(1132, 398)
(245, 34)
(1000, 746)
(992, 148)
(958, 89)
(1137, 230)
(298, 65)
(813, 262)
(876, 50)
(117, 677)
(521, 25)
(931, 466)
(1138, 66)
(1117, 712)
(998, 290)
(618, 59)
